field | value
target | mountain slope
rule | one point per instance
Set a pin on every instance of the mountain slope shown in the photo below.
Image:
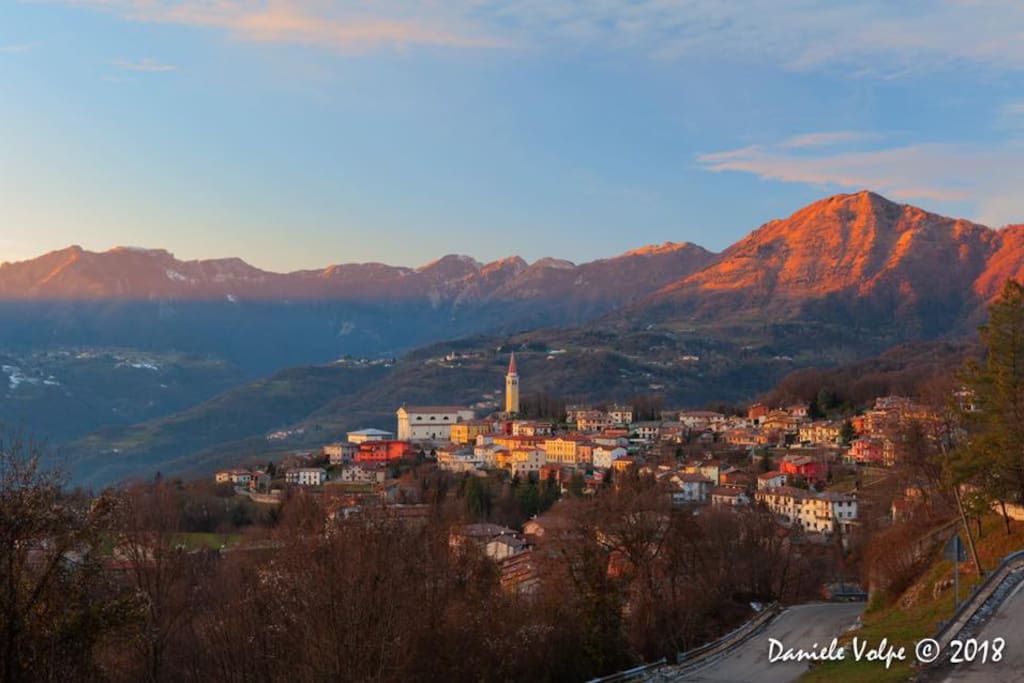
(857, 258)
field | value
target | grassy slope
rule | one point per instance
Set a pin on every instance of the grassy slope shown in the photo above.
(917, 613)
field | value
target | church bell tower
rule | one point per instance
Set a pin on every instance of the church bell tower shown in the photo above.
(512, 387)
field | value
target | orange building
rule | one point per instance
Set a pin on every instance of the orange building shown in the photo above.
(383, 451)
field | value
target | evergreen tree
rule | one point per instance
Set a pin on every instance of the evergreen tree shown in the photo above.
(477, 498)
(577, 484)
(814, 411)
(550, 492)
(993, 457)
(607, 481)
(528, 498)
(847, 433)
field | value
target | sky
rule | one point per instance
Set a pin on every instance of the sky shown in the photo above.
(301, 133)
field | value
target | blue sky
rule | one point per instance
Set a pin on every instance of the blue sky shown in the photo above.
(298, 133)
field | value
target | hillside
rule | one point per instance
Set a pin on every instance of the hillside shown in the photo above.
(317, 405)
(253, 410)
(67, 394)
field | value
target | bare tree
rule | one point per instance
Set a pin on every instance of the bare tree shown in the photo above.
(54, 605)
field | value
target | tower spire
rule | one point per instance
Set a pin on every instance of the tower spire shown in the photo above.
(512, 364)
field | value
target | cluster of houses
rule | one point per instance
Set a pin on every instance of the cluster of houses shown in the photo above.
(594, 443)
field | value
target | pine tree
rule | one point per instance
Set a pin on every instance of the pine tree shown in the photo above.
(847, 433)
(993, 457)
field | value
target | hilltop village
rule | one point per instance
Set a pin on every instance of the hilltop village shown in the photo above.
(791, 460)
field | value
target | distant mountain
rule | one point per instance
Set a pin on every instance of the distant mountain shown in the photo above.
(130, 274)
(855, 259)
(262, 321)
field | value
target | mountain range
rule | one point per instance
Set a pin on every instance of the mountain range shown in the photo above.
(839, 281)
(131, 274)
(855, 248)
(263, 321)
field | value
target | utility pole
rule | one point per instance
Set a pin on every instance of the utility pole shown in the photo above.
(967, 528)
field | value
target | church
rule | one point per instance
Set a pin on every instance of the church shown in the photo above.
(434, 423)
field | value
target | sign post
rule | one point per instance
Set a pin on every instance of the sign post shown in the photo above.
(955, 551)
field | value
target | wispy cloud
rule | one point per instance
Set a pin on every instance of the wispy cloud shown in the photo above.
(827, 139)
(1013, 109)
(987, 178)
(345, 26)
(146, 65)
(868, 38)
(15, 48)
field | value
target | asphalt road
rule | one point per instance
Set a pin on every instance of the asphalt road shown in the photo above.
(1008, 623)
(798, 627)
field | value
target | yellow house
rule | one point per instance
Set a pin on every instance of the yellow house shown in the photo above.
(503, 459)
(623, 464)
(466, 432)
(569, 450)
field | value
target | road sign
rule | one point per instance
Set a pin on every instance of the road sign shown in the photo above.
(955, 550)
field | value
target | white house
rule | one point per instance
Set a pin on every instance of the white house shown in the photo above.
(592, 420)
(700, 419)
(770, 480)
(604, 456)
(504, 546)
(525, 462)
(610, 441)
(648, 431)
(341, 452)
(420, 423)
(621, 414)
(730, 496)
(815, 513)
(456, 459)
(306, 476)
(357, 474)
(691, 488)
(712, 469)
(844, 508)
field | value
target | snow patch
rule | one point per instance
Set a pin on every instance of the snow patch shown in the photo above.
(16, 376)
